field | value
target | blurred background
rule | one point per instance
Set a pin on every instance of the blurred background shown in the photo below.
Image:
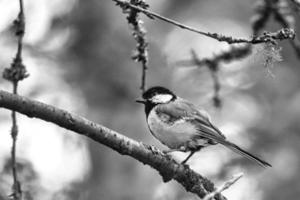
(78, 56)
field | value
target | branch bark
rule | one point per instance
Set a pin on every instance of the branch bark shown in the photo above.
(167, 167)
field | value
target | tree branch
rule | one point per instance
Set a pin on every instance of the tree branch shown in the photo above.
(288, 33)
(213, 67)
(235, 53)
(225, 186)
(139, 34)
(14, 74)
(213, 64)
(167, 167)
(16, 187)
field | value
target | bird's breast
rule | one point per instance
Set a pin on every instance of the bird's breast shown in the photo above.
(174, 133)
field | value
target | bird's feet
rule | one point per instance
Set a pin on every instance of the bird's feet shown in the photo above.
(184, 162)
(188, 157)
(181, 149)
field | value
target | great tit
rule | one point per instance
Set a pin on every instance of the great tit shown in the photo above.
(179, 125)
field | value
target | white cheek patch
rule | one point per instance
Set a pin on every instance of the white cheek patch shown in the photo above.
(162, 98)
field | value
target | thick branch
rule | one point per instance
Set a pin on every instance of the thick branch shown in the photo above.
(168, 168)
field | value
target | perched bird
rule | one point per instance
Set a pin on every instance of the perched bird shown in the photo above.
(178, 124)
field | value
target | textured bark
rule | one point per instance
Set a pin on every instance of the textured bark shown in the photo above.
(167, 167)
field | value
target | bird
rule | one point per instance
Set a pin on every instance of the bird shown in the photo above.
(181, 126)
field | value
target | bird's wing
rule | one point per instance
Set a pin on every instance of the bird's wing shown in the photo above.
(182, 109)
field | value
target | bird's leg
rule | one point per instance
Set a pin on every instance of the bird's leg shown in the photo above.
(193, 148)
(188, 157)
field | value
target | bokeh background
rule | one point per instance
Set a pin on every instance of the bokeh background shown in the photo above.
(78, 56)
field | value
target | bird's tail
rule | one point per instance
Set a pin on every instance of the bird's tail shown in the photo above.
(246, 154)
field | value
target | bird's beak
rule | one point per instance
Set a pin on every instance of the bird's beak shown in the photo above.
(140, 101)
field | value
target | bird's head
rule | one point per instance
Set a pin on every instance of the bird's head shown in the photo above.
(157, 95)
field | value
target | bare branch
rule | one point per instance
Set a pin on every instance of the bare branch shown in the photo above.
(225, 186)
(17, 70)
(216, 36)
(149, 155)
(139, 34)
(213, 68)
(16, 73)
(16, 187)
(234, 53)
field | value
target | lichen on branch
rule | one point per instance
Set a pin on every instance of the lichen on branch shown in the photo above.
(217, 36)
(139, 34)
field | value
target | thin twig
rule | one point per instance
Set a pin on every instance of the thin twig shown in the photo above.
(143, 81)
(139, 34)
(225, 186)
(20, 29)
(217, 86)
(149, 155)
(213, 66)
(216, 36)
(16, 73)
(180, 25)
(234, 53)
(17, 191)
